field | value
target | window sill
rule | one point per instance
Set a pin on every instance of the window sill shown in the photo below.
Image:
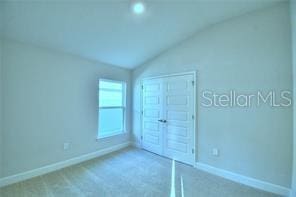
(110, 136)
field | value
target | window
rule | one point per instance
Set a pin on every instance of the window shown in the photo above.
(112, 97)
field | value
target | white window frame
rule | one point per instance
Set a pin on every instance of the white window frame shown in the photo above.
(123, 107)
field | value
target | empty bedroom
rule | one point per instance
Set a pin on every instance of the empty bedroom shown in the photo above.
(155, 98)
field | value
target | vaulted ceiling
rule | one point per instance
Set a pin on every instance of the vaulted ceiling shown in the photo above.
(107, 31)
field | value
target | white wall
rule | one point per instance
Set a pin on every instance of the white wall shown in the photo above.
(1, 123)
(248, 53)
(51, 98)
(293, 20)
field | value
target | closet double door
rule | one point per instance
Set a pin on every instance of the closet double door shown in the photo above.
(168, 117)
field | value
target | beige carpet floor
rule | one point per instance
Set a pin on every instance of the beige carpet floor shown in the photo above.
(130, 172)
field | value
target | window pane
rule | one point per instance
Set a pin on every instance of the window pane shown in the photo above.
(110, 121)
(110, 85)
(110, 98)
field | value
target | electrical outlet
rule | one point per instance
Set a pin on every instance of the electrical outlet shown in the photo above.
(66, 145)
(215, 152)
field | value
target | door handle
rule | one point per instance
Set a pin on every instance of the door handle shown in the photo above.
(160, 120)
(163, 121)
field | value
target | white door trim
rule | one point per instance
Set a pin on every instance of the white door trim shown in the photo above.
(194, 73)
(170, 75)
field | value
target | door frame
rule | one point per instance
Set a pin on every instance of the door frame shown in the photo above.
(194, 73)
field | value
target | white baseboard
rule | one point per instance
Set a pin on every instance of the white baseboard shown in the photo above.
(56, 166)
(277, 189)
(262, 185)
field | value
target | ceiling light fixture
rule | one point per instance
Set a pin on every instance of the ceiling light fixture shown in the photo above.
(138, 7)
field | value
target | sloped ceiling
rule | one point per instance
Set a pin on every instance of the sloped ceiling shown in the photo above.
(109, 32)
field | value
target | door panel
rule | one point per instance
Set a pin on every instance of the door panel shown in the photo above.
(175, 115)
(177, 146)
(177, 130)
(152, 112)
(179, 110)
(178, 100)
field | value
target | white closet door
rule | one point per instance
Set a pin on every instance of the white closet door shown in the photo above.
(179, 115)
(152, 137)
(168, 117)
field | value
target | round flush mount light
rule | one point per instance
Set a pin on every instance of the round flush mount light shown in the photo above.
(138, 7)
